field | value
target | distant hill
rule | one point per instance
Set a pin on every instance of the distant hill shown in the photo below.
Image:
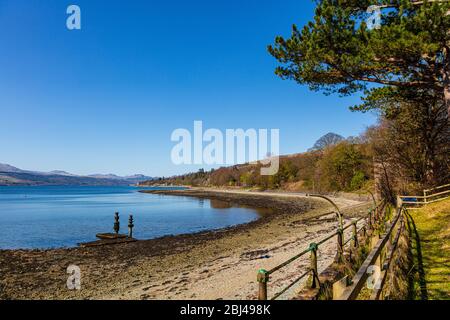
(327, 140)
(10, 175)
(8, 168)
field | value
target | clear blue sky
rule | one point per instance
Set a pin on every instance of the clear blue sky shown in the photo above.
(106, 98)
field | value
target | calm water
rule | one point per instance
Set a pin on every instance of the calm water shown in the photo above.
(50, 216)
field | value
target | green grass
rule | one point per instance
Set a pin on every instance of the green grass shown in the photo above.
(430, 235)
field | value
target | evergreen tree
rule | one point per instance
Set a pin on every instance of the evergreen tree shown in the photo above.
(338, 52)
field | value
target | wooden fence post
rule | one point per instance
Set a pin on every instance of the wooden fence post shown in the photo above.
(399, 202)
(339, 287)
(355, 235)
(340, 246)
(315, 274)
(262, 279)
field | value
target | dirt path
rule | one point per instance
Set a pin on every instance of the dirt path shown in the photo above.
(210, 265)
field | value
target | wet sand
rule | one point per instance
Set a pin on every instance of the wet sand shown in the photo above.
(219, 264)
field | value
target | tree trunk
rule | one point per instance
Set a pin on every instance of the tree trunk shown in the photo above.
(446, 78)
(447, 74)
(447, 93)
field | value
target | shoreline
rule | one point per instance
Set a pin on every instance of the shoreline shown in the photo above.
(265, 209)
(166, 267)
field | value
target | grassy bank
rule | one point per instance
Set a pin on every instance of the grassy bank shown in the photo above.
(431, 251)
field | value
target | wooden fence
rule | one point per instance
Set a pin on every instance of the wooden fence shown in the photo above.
(384, 244)
(429, 196)
(380, 257)
(374, 216)
(383, 251)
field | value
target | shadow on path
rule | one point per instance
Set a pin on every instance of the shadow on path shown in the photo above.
(417, 259)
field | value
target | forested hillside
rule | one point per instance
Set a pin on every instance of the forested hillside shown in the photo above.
(332, 165)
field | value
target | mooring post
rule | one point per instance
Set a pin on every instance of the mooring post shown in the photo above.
(116, 223)
(355, 235)
(262, 279)
(315, 275)
(130, 226)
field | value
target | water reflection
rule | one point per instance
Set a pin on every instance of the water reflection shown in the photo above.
(219, 204)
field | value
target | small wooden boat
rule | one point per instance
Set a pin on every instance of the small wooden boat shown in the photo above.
(110, 236)
(104, 242)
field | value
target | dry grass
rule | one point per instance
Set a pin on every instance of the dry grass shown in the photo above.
(431, 251)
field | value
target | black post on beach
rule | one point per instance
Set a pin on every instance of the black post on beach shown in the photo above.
(130, 226)
(263, 278)
(116, 223)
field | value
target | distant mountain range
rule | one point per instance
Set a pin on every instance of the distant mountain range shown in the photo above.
(10, 175)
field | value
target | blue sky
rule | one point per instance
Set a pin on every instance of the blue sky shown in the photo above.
(106, 98)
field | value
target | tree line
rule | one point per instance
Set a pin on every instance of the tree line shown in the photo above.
(337, 165)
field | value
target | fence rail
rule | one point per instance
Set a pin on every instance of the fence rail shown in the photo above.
(377, 257)
(437, 188)
(383, 252)
(429, 196)
(263, 275)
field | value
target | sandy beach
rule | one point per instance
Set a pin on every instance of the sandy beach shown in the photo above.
(219, 264)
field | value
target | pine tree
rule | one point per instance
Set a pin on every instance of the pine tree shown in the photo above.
(338, 52)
